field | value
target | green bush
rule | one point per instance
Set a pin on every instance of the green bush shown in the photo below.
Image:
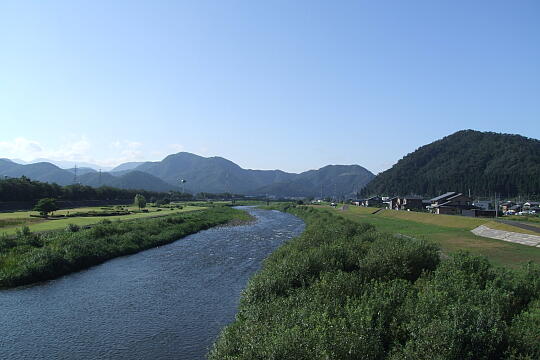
(73, 228)
(345, 291)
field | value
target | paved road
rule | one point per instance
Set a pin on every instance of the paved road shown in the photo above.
(521, 225)
(523, 239)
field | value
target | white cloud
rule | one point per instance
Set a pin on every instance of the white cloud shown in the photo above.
(20, 147)
(80, 149)
(73, 150)
(27, 149)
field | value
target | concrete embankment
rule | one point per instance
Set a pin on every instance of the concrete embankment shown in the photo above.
(524, 239)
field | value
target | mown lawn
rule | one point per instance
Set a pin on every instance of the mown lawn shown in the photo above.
(12, 221)
(452, 233)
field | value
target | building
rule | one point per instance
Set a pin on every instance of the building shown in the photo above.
(391, 202)
(507, 205)
(529, 205)
(409, 202)
(483, 204)
(372, 201)
(450, 203)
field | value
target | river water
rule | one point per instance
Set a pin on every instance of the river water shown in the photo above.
(168, 302)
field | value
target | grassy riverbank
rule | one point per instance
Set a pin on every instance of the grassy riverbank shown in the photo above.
(343, 290)
(31, 257)
(450, 232)
(10, 222)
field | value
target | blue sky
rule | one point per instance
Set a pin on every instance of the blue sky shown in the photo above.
(293, 85)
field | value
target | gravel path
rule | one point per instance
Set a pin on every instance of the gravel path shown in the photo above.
(524, 239)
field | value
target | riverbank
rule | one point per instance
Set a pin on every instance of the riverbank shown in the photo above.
(11, 222)
(343, 290)
(32, 257)
(452, 233)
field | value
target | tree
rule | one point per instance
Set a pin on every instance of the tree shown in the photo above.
(140, 201)
(46, 206)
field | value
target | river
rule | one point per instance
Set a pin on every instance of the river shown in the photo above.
(169, 302)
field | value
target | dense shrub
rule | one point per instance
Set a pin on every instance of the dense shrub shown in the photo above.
(344, 291)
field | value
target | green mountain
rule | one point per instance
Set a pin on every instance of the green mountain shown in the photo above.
(212, 174)
(130, 180)
(484, 162)
(42, 171)
(216, 175)
(127, 166)
(329, 181)
(47, 172)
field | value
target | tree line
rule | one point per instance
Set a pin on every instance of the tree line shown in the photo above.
(25, 189)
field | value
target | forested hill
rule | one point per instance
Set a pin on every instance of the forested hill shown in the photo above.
(484, 162)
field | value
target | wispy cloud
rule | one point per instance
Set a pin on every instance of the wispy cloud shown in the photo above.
(80, 149)
(28, 149)
(19, 147)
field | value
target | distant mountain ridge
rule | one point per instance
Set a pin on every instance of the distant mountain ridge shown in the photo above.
(127, 166)
(216, 174)
(483, 162)
(65, 164)
(204, 174)
(329, 181)
(47, 172)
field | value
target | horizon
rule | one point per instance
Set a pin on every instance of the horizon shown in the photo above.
(97, 166)
(289, 86)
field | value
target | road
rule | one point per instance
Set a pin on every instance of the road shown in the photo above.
(520, 225)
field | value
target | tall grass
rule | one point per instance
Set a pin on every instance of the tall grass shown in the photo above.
(342, 290)
(31, 257)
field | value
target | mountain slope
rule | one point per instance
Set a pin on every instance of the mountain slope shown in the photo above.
(213, 174)
(42, 171)
(483, 162)
(130, 180)
(127, 166)
(50, 173)
(65, 164)
(216, 174)
(331, 181)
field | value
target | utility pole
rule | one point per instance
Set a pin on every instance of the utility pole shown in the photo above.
(496, 207)
(75, 176)
(99, 177)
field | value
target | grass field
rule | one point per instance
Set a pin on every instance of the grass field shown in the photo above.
(452, 233)
(12, 221)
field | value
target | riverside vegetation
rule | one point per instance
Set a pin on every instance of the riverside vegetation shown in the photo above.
(342, 290)
(30, 257)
